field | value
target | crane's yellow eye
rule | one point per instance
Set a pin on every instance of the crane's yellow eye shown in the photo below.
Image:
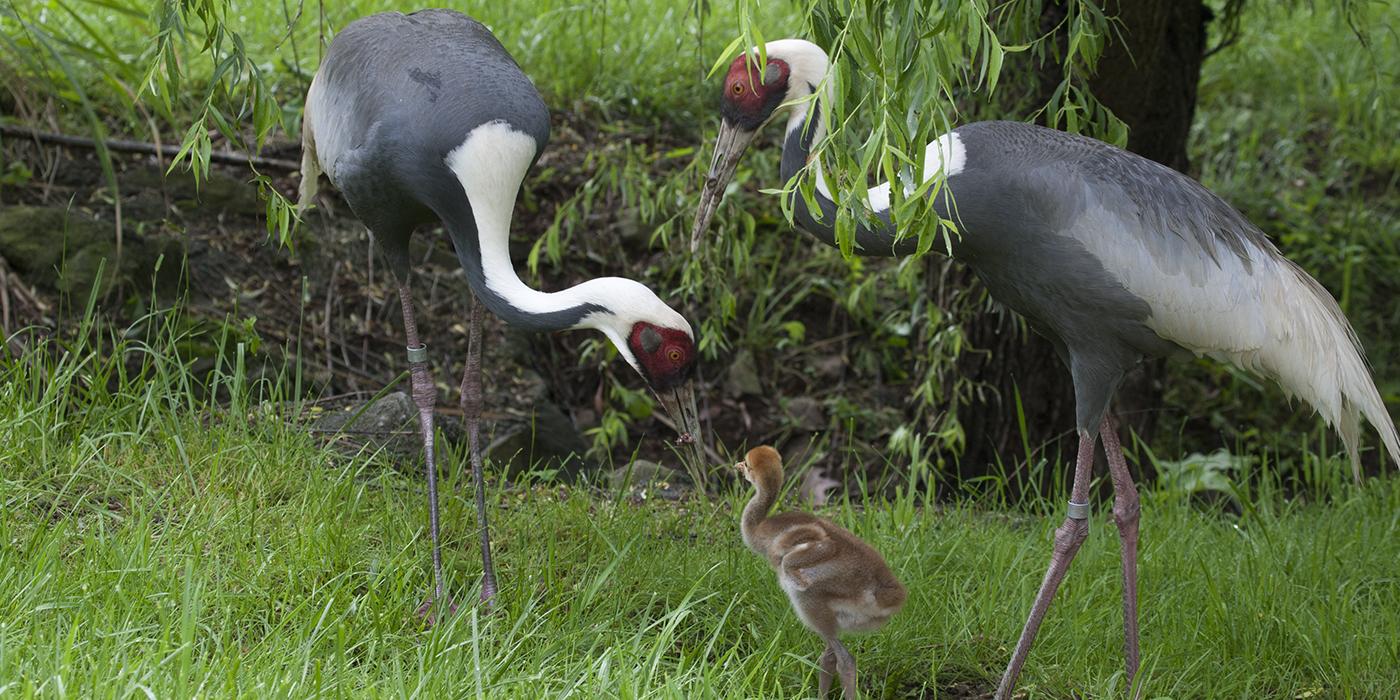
(738, 88)
(674, 354)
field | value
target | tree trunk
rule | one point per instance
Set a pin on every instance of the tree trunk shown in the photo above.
(1149, 80)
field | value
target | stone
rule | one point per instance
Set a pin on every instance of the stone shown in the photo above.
(61, 250)
(805, 413)
(218, 193)
(547, 441)
(829, 366)
(816, 487)
(390, 423)
(645, 479)
(741, 379)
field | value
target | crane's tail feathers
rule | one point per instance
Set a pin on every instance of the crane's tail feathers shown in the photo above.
(1318, 357)
(310, 167)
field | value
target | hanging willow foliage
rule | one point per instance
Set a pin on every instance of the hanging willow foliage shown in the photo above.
(193, 75)
(902, 74)
(900, 70)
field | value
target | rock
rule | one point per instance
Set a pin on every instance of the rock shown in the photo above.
(829, 366)
(218, 193)
(61, 250)
(391, 424)
(805, 413)
(547, 441)
(392, 413)
(226, 195)
(816, 487)
(585, 418)
(629, 226)
(741, 379)
(646, 479)
(643, 471)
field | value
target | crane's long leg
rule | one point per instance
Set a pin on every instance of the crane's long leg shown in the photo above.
(827, 664)
(1068, 536)
(845, 668)
(471, 413)
(1125, 514)
(425, 396)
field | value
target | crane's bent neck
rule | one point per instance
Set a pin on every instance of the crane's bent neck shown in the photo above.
(490, 165)
(809, 96)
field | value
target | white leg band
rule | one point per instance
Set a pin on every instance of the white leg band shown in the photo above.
(1078, 511)
(418, 354)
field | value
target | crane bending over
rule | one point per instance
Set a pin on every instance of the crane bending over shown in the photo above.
(1111, 256)
(425, 117)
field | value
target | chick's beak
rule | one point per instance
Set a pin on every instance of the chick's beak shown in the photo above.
(729, 148)
(680, 406)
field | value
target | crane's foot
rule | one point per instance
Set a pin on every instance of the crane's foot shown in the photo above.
(432, 610)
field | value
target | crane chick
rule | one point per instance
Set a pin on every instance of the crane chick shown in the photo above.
(837, 583)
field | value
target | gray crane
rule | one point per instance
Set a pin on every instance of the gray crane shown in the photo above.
(425, 118)
(1111, 256)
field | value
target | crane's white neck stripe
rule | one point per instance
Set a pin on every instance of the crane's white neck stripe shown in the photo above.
(809, 65)
(491, 164)
(946, 154)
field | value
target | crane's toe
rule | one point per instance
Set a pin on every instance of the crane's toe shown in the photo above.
(432, 610)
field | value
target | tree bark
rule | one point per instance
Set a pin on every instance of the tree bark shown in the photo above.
(1149, 79)
(1148, 76)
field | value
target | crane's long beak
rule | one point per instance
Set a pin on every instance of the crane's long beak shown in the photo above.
(729, 148)
(680, 406)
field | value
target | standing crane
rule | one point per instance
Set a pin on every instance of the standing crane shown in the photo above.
(1112, 257)
(425, 118)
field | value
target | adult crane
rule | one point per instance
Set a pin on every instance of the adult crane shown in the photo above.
(425, 118)
(1111, 256)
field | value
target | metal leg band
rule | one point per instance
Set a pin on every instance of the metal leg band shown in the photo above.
(418, 355)
(1078, 511)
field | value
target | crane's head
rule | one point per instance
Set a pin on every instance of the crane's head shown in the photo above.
(752, 94)
(658, 343)
(762, 467)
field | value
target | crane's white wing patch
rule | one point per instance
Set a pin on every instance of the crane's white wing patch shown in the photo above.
(1266, 316)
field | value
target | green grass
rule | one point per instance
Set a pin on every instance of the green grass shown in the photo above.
(151, 547)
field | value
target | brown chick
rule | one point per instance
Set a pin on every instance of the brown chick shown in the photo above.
(837, 583)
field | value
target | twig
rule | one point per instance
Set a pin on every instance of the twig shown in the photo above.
(709, 451)
(326, 322)
(4, 302)
(168, 150)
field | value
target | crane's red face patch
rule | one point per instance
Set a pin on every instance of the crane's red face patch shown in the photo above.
(750, 96)
(666, 355)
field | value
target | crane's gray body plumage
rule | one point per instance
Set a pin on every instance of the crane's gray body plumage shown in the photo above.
(394, 96)
(1115, 258)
